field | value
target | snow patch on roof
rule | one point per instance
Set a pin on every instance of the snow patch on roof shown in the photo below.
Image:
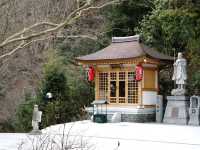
(125, 39)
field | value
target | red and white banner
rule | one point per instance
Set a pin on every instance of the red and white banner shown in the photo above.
(91, 73)
(138, 73)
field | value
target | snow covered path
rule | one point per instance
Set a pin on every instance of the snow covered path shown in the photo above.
(11, 141)
(128, 136)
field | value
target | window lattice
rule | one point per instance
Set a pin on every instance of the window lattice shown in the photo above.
(113, 100)
(132, 88)
(122, 75)
(103, 85)
(124, 78)
(113, 76)
(122, 100)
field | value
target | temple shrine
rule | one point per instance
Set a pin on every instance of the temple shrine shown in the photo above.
(126, 76)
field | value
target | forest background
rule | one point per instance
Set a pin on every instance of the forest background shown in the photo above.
(48, 65)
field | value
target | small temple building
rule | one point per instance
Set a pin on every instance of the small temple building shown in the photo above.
(126, 76)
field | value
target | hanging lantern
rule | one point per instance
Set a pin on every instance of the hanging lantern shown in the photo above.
(91, 73)
(138, 73)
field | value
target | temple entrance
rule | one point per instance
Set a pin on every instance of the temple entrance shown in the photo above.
(118, 87)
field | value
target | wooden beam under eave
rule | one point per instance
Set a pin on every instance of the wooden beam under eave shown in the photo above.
(136, 60)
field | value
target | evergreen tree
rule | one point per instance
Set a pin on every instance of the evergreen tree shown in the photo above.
(172, 27)
(63, 107)
(122, 19)
(70, 94)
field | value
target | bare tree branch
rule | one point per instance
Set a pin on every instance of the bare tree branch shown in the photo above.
(3, 3)
(20, 46)
(25, 44)
(11, 52)
(94, 37)
(31, 27)
(73, 17)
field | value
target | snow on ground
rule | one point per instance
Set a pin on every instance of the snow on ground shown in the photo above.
(108, 136)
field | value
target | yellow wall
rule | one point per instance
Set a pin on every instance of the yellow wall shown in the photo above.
(149, 82)
(149, 78)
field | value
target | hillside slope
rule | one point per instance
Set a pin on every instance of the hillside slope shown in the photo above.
(21, 73)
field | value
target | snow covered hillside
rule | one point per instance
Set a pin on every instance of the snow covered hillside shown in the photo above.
(109, 136)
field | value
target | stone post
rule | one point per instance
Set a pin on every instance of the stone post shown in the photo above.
(194, 111)
(36, 119)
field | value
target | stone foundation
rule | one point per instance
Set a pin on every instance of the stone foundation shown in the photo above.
(132, 115)
(138, 118)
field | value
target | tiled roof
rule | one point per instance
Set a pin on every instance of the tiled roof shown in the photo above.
(124, 48)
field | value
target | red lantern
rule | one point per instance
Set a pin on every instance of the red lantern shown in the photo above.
(91, 73)
(138, 73)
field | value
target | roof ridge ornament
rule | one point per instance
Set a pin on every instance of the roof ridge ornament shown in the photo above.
(125, 39)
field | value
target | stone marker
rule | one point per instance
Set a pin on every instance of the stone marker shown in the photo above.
(36, 119)
(194, 110)
(159, 109)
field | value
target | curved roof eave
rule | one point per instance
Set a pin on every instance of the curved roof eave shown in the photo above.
(124, 50)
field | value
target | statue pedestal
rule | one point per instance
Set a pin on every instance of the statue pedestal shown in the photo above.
(177, 110)
(35, 132)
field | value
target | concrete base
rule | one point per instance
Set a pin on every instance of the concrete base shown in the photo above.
(177, 110)
(129, 114)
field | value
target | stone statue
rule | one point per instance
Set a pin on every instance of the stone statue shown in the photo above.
(179, 75)
(177, 105)
(36, 119)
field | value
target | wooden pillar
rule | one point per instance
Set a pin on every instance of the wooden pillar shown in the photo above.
(117, 86)
(126, 87)
(140, 85)
(108, 94)
(96, 85)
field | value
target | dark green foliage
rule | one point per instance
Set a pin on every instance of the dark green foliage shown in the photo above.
(71, 48)
(170, 30)
(71, 93)
(172, 27)
(193, 55)
(82, 90)
(166, 84)
(68, 95)
(7, 126)
(55, 82)
(123, 18)
(195, 82)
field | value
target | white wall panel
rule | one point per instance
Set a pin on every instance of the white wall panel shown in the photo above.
(149, 97)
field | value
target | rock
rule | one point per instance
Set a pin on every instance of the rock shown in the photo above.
(116, 117)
